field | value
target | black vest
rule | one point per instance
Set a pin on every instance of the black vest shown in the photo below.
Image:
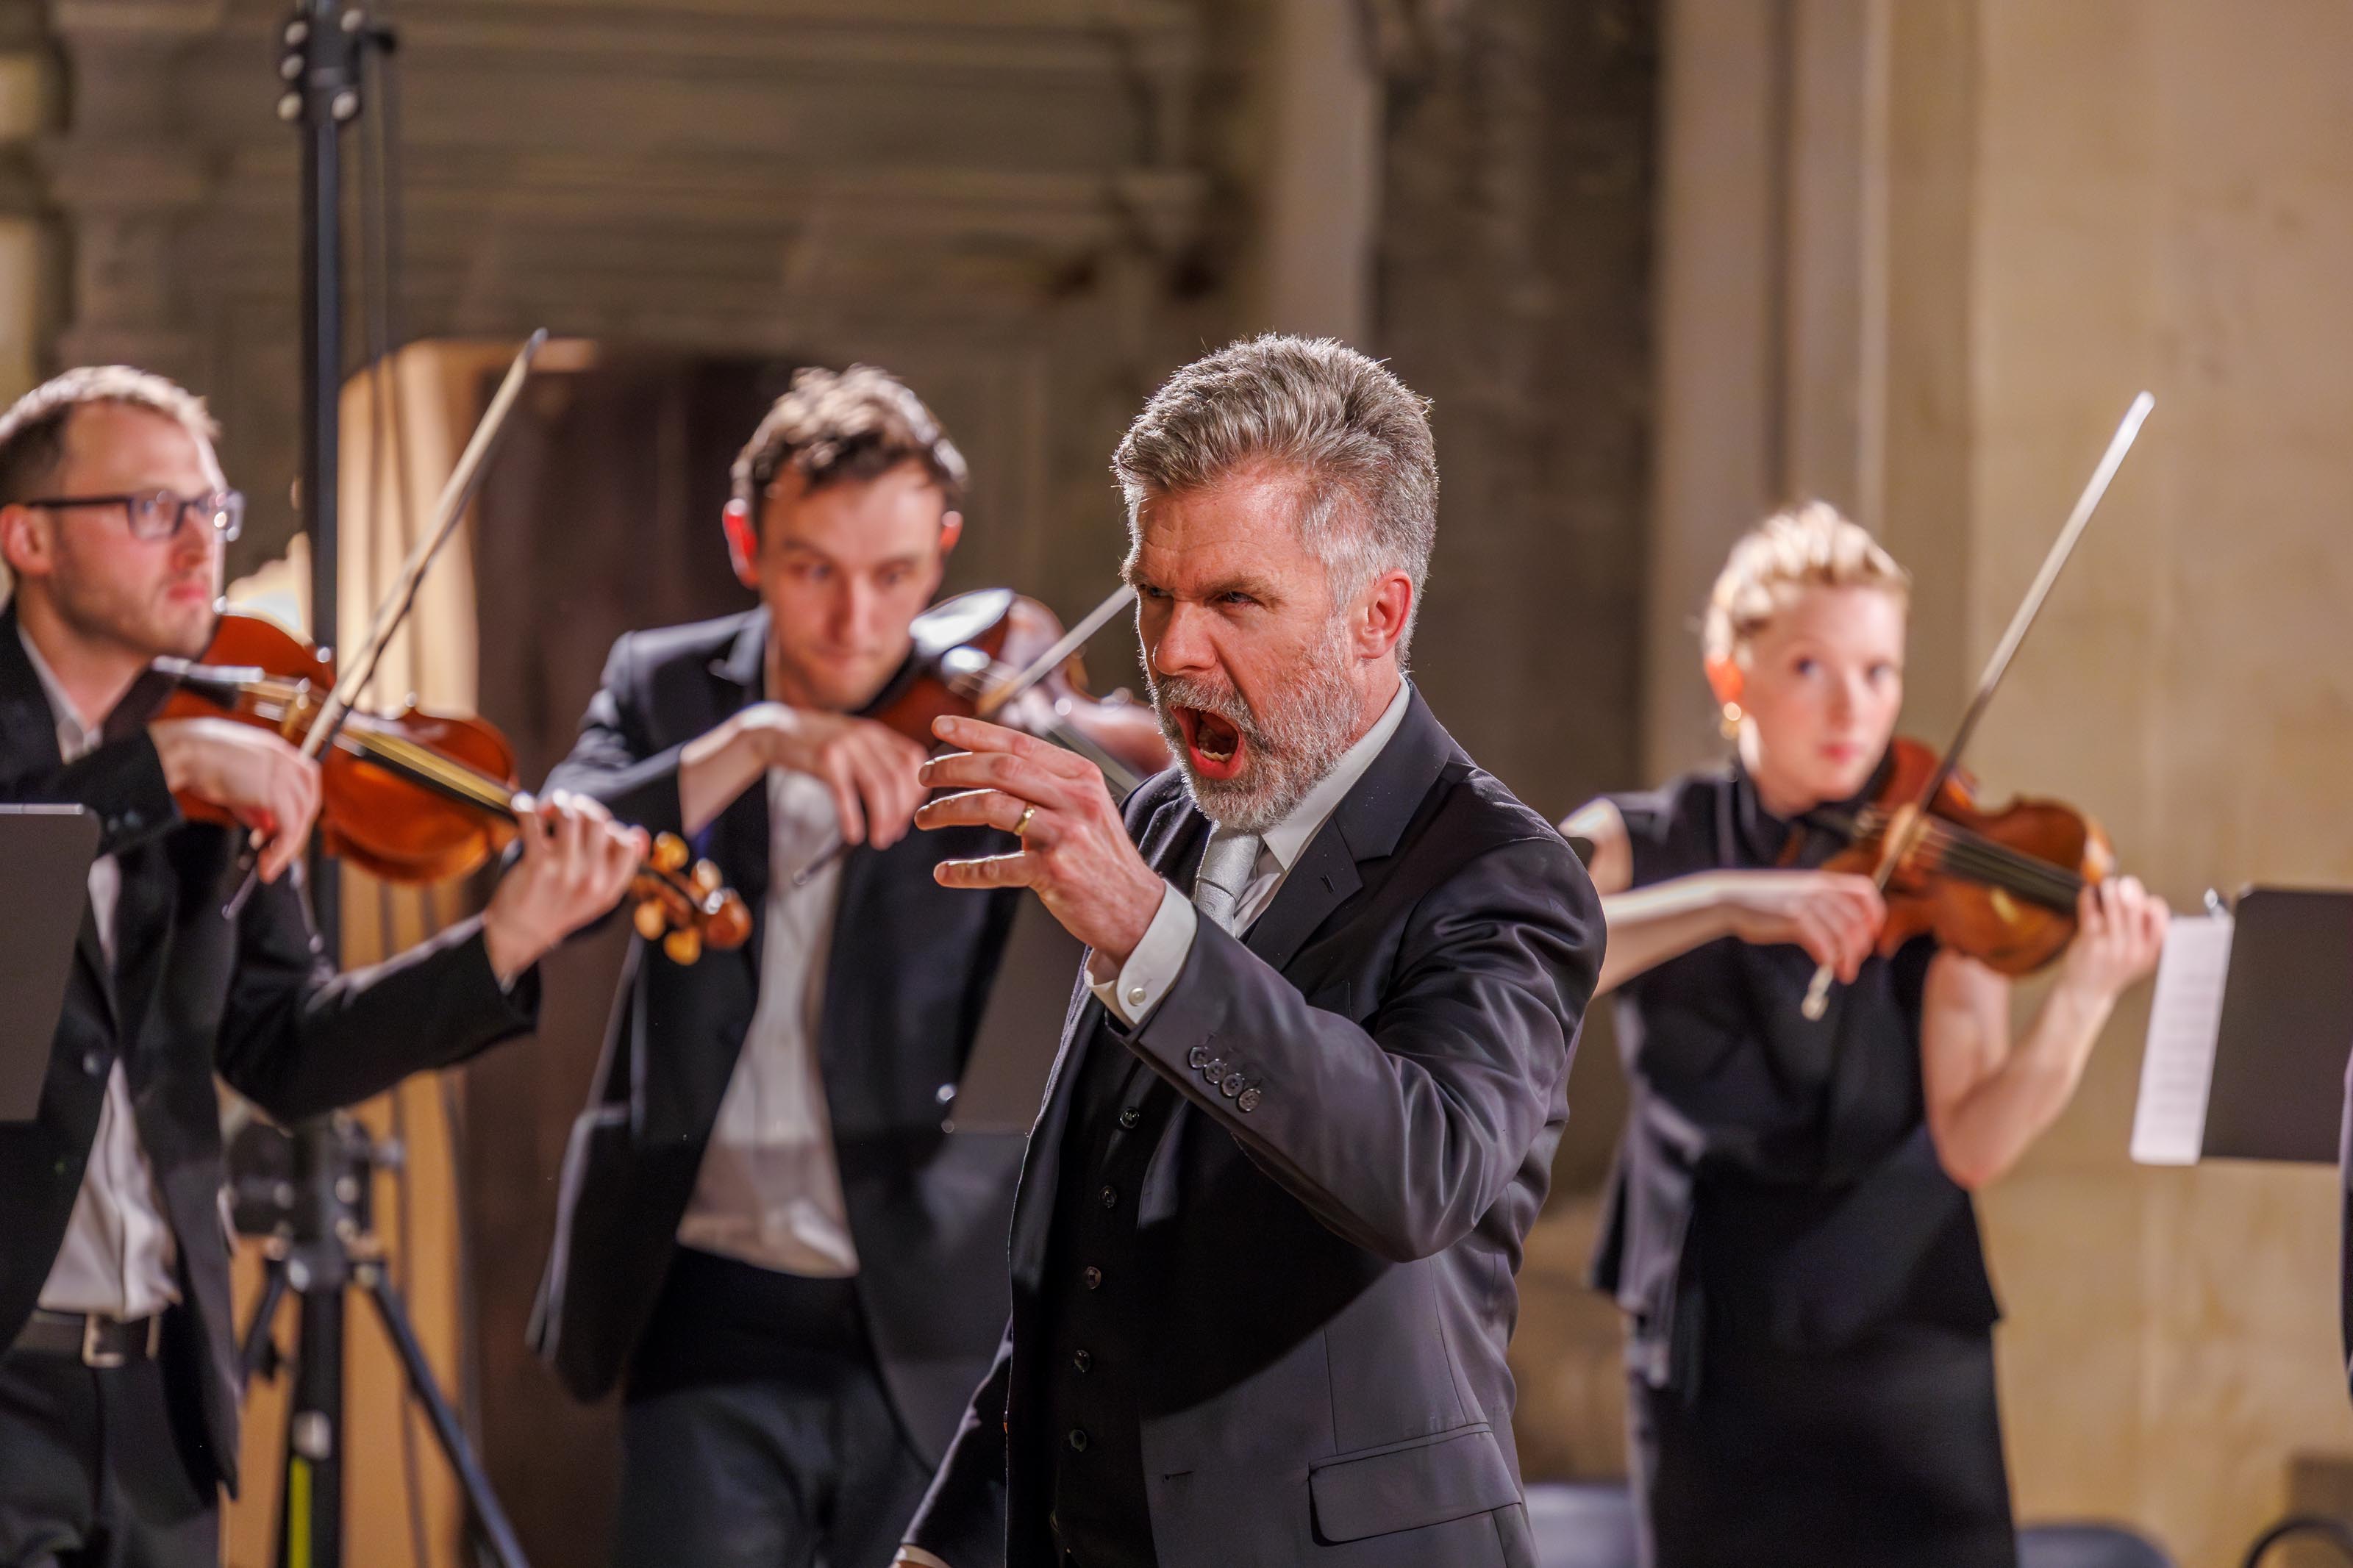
(1096, 1288)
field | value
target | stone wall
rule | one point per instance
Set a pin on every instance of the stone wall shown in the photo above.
(2165, 200)
(2039, 210)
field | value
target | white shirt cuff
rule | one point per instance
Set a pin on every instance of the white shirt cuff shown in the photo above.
(916, 1556)
(1152, 967)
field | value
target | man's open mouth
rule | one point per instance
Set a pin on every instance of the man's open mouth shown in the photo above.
(1214, 745)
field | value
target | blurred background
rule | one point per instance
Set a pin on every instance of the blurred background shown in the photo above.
(1661, 264)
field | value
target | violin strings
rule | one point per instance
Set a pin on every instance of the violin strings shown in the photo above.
(1961, 850)
(430, 766)
(422, 764)
(2028, 873)
(1995, 863)
(2003, 868)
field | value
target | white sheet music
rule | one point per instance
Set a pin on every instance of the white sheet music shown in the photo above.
(2184, 1020)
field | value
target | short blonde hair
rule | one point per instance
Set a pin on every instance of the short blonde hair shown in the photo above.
(1809, 546)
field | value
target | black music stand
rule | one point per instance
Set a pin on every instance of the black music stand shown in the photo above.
(48, 850)
(2250, 1033)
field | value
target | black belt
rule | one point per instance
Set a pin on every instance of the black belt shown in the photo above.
(89, 1339)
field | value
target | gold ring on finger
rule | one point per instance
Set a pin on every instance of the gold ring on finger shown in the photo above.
(1022, 826)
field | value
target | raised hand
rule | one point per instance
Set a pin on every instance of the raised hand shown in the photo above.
(1075, 852)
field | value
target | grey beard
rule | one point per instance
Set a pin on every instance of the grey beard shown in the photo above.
(1286, 752)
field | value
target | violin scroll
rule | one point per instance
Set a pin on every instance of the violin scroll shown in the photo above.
(686, 910)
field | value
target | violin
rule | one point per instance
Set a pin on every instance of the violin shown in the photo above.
(1950, 835)
(1997, 886)
(976, 652)
(415, 797)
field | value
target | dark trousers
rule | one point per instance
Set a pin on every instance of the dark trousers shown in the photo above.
(1886, 1454)
(756, 1429)
(92, 1473)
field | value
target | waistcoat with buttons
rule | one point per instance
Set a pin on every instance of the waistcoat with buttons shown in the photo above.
(1098, 1292)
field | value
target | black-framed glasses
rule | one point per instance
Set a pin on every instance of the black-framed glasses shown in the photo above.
(157, 514)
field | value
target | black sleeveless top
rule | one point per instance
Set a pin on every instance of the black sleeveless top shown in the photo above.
(1777, 1182)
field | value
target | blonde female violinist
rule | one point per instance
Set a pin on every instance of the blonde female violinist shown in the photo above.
(1791, 1233)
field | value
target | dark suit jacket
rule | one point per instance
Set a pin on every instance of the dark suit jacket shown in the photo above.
(1339, 1240)
(196, 994)
(905, 986)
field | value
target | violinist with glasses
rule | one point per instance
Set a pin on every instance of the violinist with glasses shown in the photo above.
(117, 1394)
(1791, 1230)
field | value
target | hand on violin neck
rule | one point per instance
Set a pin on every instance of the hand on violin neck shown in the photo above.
(2120, 930)
(575, 863)
(868, 769)
(1834, 915)
(1075, 852)
(251, 774)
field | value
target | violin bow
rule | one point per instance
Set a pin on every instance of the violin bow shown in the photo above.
(1046, 663)
(1913, 823)
(465, 482)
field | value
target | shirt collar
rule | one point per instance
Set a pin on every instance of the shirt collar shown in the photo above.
(76, 740)
(1287, 839)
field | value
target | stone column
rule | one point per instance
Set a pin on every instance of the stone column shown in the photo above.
(1777, 295)
(1318, 109)
(128, 179)
(27, 100)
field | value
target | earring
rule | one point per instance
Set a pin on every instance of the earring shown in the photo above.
(1731, 721)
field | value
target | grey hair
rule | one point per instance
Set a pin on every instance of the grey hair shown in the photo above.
(1357, 436)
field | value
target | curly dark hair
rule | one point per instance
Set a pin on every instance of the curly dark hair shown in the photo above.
(835, 426)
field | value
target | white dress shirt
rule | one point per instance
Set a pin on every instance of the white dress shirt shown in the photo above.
(769, 1192)
(1157, 960)
(117, 1258)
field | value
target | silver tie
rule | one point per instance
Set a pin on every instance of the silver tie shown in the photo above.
(1227, 866)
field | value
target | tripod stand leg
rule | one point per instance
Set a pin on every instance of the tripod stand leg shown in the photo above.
(489, 1517)
(310, 1508)
(257, 1343)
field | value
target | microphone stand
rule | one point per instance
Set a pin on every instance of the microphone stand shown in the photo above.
(315, 1213)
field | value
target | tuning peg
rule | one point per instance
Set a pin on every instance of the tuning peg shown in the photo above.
(683, 945)
(729, 925)
(706, 878)
(650, 921)
(669, 852)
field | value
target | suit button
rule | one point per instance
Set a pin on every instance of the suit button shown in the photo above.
(1214, 1069)
(1129, 1116)
(1198, 1056)
(1231, 1086)
(1094, 1276)
(1110, 1196)
(1081, 1359)
(1249, 1102)
(1078, 1439)
(134, 821)
(94, 1063)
